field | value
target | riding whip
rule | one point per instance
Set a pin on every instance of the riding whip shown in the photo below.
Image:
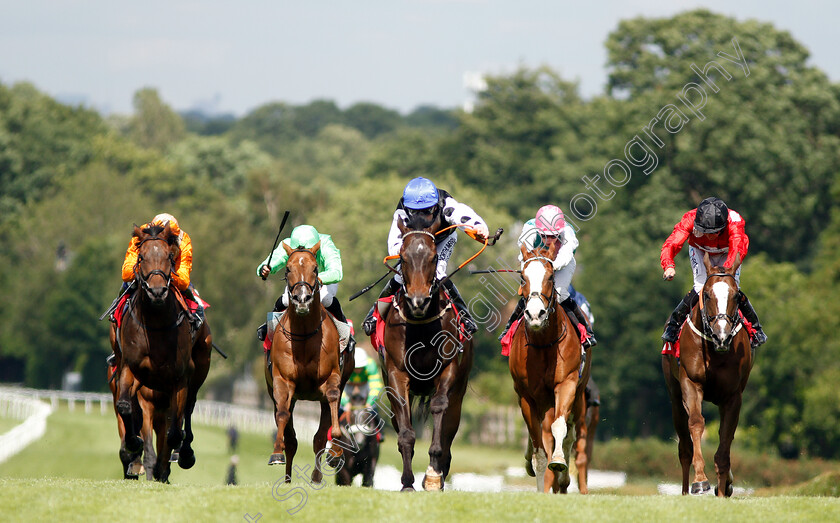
(369, 287)
(282, 224)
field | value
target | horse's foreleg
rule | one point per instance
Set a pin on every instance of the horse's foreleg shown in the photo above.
(693, 402)
(729, 414)
(201, 363)
(127, 387)
(679, 416)
(149, 456)
(564, 396)
(290, 441)
(161, 467)
(319, 441)
(401, 419)
(283, 392)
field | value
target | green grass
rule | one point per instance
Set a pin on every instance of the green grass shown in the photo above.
(110, 500)
(7, 424)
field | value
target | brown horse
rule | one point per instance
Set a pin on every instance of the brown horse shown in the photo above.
(158, 350)
(545, 363)
(714, 365)
(305, 363)
(424, 356)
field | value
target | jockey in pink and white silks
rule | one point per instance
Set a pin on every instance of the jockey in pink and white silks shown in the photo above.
(422, 197)
(547, 229)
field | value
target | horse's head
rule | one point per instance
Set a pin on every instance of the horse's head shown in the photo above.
(302, 277)
(537, 285)
(719, 303)
(418, 262)
(157, 251)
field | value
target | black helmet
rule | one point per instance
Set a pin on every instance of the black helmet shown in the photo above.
(712, 216)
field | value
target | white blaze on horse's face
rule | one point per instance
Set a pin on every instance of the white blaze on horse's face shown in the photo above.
(720, 291)
(302, 295)
(535, 312)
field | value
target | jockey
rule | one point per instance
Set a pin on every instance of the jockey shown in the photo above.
(365, 371)
(180, 273)
(183, 262)
(719, 231)
(422, 197)
(548, 228)
(330, 271)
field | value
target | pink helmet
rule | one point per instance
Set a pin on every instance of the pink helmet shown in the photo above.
(550, 221)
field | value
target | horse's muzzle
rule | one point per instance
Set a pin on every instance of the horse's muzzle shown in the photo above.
(157, 295)
(418, 304)
(302, 302)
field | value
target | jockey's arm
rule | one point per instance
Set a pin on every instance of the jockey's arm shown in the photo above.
(739, 242)
(567, 251)
(130, 261)
(674, 243)
(331, 258)
(278, 259)
(455, 212)
(181, 274)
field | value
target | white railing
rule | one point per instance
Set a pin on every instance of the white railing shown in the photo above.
(212, 413)
(34, 415)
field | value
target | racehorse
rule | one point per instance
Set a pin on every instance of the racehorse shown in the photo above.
(425, 355)
(358, 431)
(714, 365)
(545, 363)
(159, 350)
(305, 363)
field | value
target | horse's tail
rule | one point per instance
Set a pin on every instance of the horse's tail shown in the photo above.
(421, 408)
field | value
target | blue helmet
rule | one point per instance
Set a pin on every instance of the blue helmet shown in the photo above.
(420, 193)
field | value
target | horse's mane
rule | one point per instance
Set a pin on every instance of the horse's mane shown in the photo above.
(153, 230)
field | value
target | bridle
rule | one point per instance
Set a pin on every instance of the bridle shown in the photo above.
(144, 278)
(310, 287)
(435, 282)
(550, 300)
(734, 320)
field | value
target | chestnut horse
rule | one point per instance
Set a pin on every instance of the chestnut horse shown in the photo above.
(545, 363)
(305, 363)
(159, 350)
(424, 356)
(714, 365)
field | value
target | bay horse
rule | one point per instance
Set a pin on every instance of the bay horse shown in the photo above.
(714, 365)
(545, 363)
(425, 355)
(158, 350)
(359, 432)
(305, 363)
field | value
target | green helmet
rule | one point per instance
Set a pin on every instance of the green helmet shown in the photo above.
(304, 236)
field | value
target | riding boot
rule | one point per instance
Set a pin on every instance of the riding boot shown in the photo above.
(749, 313)
(335, 310)
(389, 290)
(576, 315)
(458, 301)
(517, 312)
(675, 321)
(196, 318)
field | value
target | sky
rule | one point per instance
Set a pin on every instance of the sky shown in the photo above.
(232, 57)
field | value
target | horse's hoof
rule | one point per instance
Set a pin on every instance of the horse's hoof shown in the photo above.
(558, 465)
(407, 489)
(174, 456)
(700, 487)
(186, 460)
(729, 490)
(432, 481)
(277, 459)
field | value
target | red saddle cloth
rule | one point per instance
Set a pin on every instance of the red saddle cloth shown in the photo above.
(673, 349)
(508, 338)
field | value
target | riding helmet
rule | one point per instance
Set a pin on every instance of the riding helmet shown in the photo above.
(712, 216)
(420, 193)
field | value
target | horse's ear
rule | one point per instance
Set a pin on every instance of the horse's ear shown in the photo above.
(137, 231)
(314, 250)
(524, 251)
(735, 264)
(552, 251)
(287, 248)
(167, 233)
(707, 263)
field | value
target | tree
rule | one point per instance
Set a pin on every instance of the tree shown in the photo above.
(154, 124)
